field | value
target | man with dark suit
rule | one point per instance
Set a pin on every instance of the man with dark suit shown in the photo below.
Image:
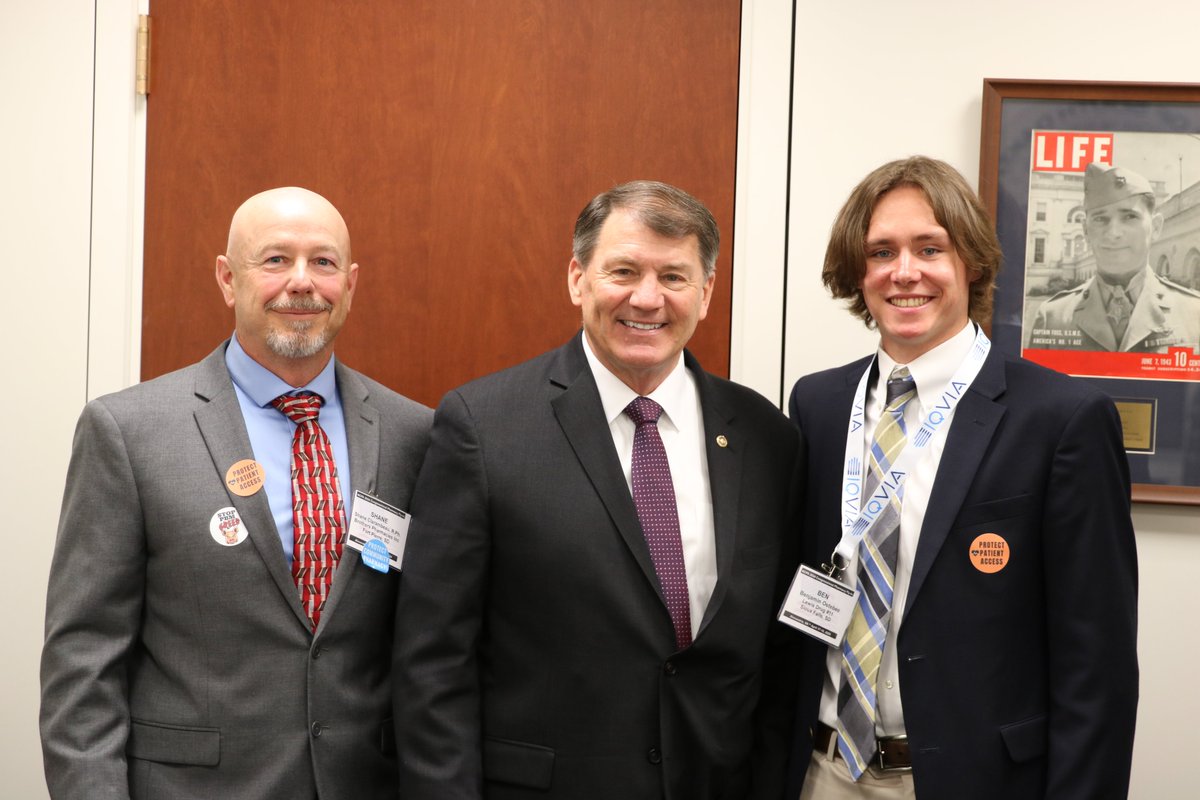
(563, 631)
(1005, 664)
(1125, 307)
(205, 636)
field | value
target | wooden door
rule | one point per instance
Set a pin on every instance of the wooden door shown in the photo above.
(459, 139)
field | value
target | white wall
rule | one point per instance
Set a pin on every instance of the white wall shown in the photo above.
(879, 80)
(46, 51)
(72, 226)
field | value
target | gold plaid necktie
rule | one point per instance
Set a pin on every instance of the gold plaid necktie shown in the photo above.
(862, 647)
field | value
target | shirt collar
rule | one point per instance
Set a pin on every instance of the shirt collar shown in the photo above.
(1132, 291)
(933, 370)
(671, 394)
(262, 386)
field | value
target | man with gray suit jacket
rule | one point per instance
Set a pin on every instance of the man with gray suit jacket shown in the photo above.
(209, 630)
(597, 537)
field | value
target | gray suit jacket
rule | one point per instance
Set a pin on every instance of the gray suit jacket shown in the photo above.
(535, 656)
(175, 667)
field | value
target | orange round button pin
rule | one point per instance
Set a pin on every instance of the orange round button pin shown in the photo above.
(989, 552)
(245, 477)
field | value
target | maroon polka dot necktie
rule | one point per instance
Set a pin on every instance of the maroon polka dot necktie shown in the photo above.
(654, 498)
(317, 513)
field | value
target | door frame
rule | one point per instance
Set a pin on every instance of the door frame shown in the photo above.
(118, 203)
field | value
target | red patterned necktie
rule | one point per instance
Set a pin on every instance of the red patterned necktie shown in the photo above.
(317, 514)
(654, 498)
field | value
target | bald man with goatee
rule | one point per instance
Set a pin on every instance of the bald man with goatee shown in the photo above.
(210, 633)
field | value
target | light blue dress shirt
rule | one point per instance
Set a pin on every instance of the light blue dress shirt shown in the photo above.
(271, 432)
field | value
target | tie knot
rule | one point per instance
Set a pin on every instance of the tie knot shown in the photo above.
(900, 387)
(643, 410)
(299, 408)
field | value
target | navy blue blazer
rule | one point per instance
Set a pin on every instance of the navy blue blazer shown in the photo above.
(1020, 683)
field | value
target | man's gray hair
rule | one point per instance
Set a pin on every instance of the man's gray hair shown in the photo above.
(662, 208)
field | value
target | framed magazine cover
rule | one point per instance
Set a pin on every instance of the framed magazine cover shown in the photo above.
(1038, 138)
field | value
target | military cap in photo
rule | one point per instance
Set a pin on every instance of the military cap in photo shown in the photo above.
(1103, 184)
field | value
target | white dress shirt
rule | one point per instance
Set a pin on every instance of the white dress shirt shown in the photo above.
(681, 428)
(932, 373)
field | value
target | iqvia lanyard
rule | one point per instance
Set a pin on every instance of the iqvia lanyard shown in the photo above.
(858, 514)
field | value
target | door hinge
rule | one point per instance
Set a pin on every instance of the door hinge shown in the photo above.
(142, 76)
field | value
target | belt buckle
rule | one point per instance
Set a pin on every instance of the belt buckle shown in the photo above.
(879, 764)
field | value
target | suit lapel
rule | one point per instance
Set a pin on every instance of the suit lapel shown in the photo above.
(221, 424)
(724, 478)
(362, 438)
(580, 414)
(975, 422)
(362, 430)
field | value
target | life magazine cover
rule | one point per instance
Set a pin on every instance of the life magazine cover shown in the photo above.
(1112, 267)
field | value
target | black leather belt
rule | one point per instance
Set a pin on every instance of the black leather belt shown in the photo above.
(891, 752)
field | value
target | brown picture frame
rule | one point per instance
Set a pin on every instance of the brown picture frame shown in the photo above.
(1012, 109)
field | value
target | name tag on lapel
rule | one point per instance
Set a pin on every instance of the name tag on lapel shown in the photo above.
(378, 531)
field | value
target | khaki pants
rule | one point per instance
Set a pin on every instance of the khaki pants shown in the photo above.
(828, 778)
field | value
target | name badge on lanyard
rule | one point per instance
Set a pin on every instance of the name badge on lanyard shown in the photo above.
(820, 602)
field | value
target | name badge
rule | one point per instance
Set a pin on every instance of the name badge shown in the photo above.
(378, 531)
(818, 605)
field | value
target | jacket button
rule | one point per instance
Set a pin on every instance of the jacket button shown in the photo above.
(316, 652)
(669, 668)
(316, 729)
(653, 756)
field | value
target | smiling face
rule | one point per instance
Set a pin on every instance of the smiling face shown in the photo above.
(642, 296)
(289, 279)
(1120, 234)
(915, 285)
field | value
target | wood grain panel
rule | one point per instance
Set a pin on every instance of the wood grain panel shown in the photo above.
(459, 140)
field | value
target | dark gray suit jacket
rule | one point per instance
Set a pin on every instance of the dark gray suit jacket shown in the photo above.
(534, 653)
(175, 667)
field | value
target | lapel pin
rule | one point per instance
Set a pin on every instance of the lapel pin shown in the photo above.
(226, 527)
(245, 477)
(722, 441)
(989, 552)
